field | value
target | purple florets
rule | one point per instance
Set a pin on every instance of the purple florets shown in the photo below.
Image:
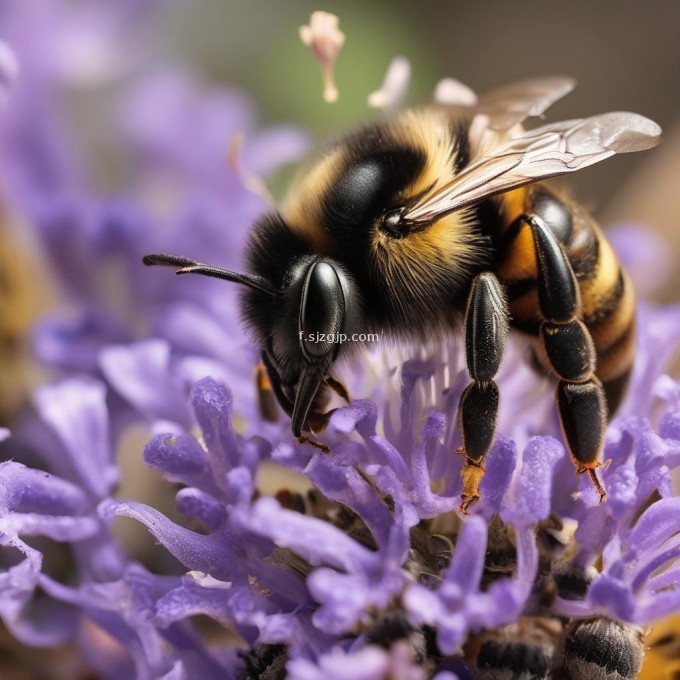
(372, 543)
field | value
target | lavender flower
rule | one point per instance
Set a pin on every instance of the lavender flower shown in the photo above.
(106, 611)
(371, 571)
(370, 551)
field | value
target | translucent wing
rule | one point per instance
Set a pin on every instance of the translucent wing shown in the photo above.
(507, 105)
(511, 104)
(547, 151)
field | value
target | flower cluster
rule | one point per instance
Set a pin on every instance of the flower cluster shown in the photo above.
(286, 561)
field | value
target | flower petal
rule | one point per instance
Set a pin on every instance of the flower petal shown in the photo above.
(180, 458)
(465, 570)
(201, 506)
(313, 539)
(528, 499)
(212, 405)
(76, 410)
(23, 489)
(193, 550)
(495, 483)
(141, 373)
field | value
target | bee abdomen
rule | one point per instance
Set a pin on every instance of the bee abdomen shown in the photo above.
(507, 659)
(599, 649)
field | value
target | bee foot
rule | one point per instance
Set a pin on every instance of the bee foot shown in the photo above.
(312, 442)
(592, 473)
(598, 485)
(466, 502)
(471, 474)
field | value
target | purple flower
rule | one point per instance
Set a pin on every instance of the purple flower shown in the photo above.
(365, 569)
(315, 580)
(108, 602)
(374, 543)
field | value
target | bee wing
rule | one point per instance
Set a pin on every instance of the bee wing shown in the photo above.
(508, 105)
(547, 151)
(511, 104)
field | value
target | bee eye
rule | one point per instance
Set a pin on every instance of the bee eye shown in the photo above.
(322, 311)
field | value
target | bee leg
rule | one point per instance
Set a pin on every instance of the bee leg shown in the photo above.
(265, 394)
(570, 350)
(338, 388)
(486, 330)
(275, 383)
(317, 421)
(312, 442)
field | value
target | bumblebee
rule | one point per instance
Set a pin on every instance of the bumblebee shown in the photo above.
(537, 648)
(599, 648)
(541, 644)
(432, 221)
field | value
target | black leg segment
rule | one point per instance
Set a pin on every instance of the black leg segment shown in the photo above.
(486, 327)
(571, 353)
(486, 330)
(583, 411)
(557, 288)
(569, 348)
(477, 413)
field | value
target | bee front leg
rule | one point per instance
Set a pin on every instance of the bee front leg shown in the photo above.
(571, 353)
(318, 420)
(266, 397)
(268, 383)
(486, 330)
(338, 387)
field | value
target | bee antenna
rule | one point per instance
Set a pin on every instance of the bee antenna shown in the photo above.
(187, 266)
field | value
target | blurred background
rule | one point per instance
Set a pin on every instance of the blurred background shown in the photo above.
(624, 55)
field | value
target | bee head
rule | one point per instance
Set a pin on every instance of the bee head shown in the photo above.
(310, 319)
(300, 324)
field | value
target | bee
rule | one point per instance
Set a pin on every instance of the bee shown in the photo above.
(433, 221)
(539, 648)
(541, 644)
(599, 649)
(520, 650)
